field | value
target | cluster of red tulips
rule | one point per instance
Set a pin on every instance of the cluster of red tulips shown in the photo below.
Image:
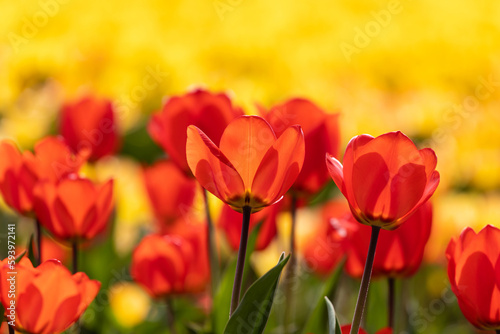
(259, 166)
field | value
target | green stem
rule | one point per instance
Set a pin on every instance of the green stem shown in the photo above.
(212, 247)
(290, 273)
(75, 256)
(390, 310)
(39, 241)
(171, 316)
(365, 281)
(240, 264)
(11, 330)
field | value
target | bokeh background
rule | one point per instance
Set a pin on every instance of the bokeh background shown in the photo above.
(428, 68)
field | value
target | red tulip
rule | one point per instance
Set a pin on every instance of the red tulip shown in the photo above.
(171, 192)
(251, 167)
(399, 252)
(321, 135)
(73, 208)
(230, 222)
(172, 264)
(211, 112)
(328, 243)
(385, 179)
(346, 329)
(90, 123)
(48, 299)
(474, 273)
(19, 172)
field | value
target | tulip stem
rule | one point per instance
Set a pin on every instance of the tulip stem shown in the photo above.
(365, 281)
(240, 264)
(391, 296)
(171, 316)
(212, 246)
(38, 241)
(290, 273)
(11, 330)
(75, 256)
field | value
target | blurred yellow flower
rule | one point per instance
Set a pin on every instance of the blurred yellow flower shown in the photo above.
(129, 303)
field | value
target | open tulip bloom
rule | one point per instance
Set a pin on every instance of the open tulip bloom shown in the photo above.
(251, 169)
(385, 180)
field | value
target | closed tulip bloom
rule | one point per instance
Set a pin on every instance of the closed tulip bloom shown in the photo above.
(211, 112)
(19, 172)
(321, 134)
(385, 179)
(328, 243)
(230, 222)
(172, 264)
(251, 167)
(74, 208)
(473, 271)
(48, 298)
(171, 193)
(399, 252)
(90, 123)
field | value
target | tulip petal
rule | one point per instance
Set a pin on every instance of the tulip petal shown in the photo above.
(31, 302)
(212, 169)
(396, 149)
(280, 167)
(476, 285)
(407, 188)
(244, 142)
(66, 314)
(349, 157)
(430, 160)
(88, 290)
(78, 197)
(335, 169)
(370, 177)
(296, 111)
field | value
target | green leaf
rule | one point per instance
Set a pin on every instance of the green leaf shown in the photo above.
(318, 319)
(31, 252)
(222, 299)
(20, 256)
(333, 323)
(253, 311)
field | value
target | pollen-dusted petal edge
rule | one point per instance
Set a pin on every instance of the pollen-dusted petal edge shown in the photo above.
(251, 167)
(385, 179)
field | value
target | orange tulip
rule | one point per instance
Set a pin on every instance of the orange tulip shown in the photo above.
(328, 243)
(321, 135)
(399, 252)
(73, 208)
(251, 167)
(47, 299)
(172, 264)
(211, 112)
(90, 123)
(19, 172)
(171, 192)
(230, 222)
(473, 270)
(385, 179)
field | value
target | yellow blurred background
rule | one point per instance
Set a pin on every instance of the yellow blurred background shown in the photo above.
(428, 68)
